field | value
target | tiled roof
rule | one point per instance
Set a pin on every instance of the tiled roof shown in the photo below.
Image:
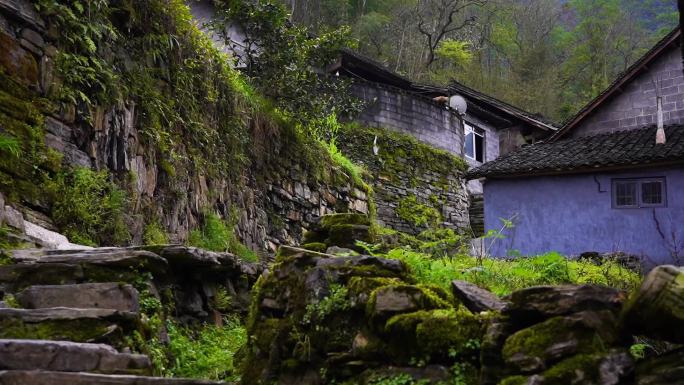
(362, 66)
(622, 149)
(533, 119)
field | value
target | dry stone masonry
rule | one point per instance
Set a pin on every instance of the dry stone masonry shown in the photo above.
(415, 185)
(271, 205)
(78, 307)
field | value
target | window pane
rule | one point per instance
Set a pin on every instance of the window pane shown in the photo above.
(469, 147)
(479, 148)
(625, 193)
(652, 193)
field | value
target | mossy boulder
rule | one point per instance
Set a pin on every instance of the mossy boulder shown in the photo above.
(316, 246)
(361, 288)
(536, 348)
(535, 304)
(657, 308)
(327, 222)
(441, 334)
(347, 235)
(387, 301)
(605, 368)
(341, 230)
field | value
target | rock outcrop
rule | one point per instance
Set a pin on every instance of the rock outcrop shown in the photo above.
(318, 318)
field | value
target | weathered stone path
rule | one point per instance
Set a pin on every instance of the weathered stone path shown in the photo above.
(73, 317)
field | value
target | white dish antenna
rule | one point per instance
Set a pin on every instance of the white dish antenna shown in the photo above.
(458, 103)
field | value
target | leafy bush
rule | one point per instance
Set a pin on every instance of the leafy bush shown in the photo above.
(154, 234)
(89, 208)
(207, 352)
(217, 235)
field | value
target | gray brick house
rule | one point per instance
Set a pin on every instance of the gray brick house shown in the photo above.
(631, 100)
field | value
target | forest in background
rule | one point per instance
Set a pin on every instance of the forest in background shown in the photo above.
(548, 57)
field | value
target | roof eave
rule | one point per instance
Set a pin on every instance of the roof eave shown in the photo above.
(580, 170)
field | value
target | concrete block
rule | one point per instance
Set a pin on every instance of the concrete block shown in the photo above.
(672, 90)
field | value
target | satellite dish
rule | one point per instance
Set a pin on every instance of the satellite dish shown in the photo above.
(458, 103)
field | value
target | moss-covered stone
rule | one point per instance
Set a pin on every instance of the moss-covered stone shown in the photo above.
(440, 334)
(64, 330)
(387, 301)
(581, 368)
(514, 380)
(316, 246)
(532, 349)
(328, 221)
(16, 61)
(346, 235)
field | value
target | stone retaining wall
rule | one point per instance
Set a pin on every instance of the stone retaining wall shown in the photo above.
(274, 201)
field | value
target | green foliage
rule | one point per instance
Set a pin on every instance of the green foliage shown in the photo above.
(398, 379)
(206, 352)
(222, 301)
(154, 234)
(455, 51)
(11, 301)
(336, 301)
(353, 170)
(638, 351)
(504, 276)
(281, 58)
(218, 235)
(418, 214)
(10, 146)
(89, 208)
(85, 30)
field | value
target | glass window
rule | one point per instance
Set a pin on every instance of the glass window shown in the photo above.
(643, 192)
(652, 193)
(626, 194)
(474, 142)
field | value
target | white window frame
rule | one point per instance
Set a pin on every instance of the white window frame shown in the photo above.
(639, 199)
(469, 128)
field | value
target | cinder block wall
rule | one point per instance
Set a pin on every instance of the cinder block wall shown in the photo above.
(424, 119)
(636, 106)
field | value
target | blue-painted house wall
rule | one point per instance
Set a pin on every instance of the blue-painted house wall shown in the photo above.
(572, 214)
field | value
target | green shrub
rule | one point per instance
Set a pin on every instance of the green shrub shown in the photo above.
(217, 235)
(207, 352)
(154, 234)
(89, 208)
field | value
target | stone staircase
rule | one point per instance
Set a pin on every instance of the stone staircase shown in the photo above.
(68, 319)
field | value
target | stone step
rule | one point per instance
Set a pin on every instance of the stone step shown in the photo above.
(36, 377)
(115, 296)
(77, 325)
(63, 356)
(127, 258)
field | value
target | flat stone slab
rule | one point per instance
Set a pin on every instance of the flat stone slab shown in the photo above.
(537, 303)
(63, 356)
(78, 325)
(122, 297)
(12, 377)
(110, 257)
(182, 256)
(475, 298)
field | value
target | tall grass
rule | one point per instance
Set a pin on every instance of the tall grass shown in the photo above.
(505, 276)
